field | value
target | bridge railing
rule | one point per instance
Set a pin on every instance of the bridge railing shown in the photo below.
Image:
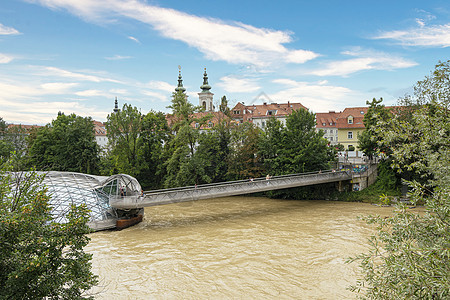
(229, 188)
(225, 183)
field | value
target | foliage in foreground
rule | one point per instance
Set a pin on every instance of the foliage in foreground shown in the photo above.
(40, 258)
(409, 257)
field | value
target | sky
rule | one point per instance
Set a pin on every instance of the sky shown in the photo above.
(77, 56)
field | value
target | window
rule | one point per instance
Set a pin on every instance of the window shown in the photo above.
(263, 124)
(197, 125)
(324, 124)
(325, 131)
(331, 138)
(350, 135)
(331, 123)
(210, 124)
(350, 120)
(236, 112)
(271, 112)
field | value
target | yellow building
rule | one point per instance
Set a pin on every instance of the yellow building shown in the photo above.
(350, 124)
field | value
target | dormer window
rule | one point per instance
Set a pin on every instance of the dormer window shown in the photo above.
(350, 120)
(331, 123)
(324, 124)
(271, 112)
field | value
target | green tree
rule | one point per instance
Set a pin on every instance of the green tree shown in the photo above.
(271, 145)
(155, 135)
(409, 257)
(123, 131)
(67, 144)
(186, 121)
(5, 145)
(40, 258)
(368, 139)
(243, 161)
(296, 147)
(223, 107)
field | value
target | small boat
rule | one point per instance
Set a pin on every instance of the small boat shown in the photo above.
(129, 221)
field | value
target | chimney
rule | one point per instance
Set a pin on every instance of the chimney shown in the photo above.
(265, 103)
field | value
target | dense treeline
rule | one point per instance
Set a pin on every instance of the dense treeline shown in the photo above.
(180, 150)
(409, 257)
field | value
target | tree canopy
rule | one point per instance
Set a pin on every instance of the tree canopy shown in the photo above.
(409, 257)
(38, 257)
(67, 144)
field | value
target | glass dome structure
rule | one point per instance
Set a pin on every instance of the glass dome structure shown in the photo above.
(96, 192)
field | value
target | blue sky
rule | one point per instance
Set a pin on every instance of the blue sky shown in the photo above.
(76, 56)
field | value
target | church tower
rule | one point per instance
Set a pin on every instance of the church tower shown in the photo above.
(180, 86)
(116, 106)
(205, 96)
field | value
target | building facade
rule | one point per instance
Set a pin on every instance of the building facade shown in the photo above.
(327, 123)
(350, 125)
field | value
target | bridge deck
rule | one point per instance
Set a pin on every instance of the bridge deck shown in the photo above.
(224, 189)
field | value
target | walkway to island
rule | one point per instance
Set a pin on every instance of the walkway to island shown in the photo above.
(224, 189)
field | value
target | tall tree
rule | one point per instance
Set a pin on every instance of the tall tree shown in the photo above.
(123, 130)
(243, 161)
(186, 122)
(5, 145)
(40, 259)
(377, 112)
(155, 135)
(409, 256)
(67, 144)
(271, 145)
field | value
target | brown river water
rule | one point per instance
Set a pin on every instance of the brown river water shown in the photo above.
(234, 248)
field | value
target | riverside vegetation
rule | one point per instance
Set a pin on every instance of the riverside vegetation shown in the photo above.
(408, 258)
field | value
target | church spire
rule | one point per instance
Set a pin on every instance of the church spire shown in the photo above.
(205, 86)
(116, 106)
(205, 97)
(180, 82)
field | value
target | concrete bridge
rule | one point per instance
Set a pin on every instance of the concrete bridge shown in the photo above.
(224, 189)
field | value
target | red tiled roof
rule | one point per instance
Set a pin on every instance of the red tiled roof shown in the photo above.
(24, 127)
(329, 119)
(99, 128)
(358, 115)
(248, 112)
(216, 117)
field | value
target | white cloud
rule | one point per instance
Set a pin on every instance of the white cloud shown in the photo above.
(365, 60)
(427, 36)
(5, 30)
(91, 93)
(57, 87)
(318, 96)
(234, 84)
(119, 91)
(118, 57)
(4, 59)
(232, 42)
(78, 76)
(159, 96)
(161, 85)
(134, 39)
